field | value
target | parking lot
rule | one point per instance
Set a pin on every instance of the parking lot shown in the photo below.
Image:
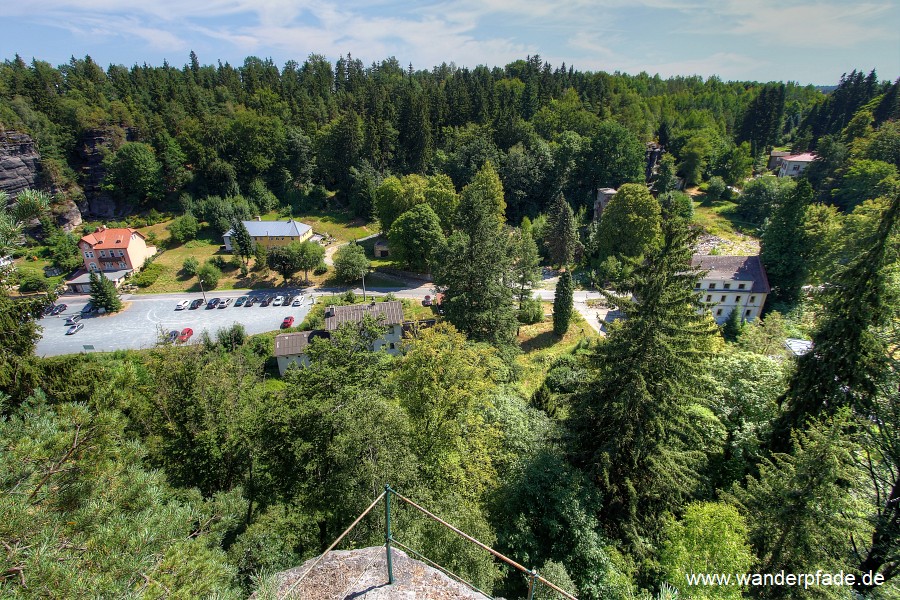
(139, 325)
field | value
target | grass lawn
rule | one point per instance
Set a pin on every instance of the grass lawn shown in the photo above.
(721, 220)
(339, 224)
(540, 347)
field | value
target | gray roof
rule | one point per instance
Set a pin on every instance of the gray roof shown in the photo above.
(288, 344)
(386, 313)
(274, 228)
(85, 277)
(797, 346)
(734, 268)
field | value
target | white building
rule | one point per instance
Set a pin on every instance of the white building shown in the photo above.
(793, 165)
(732, 283)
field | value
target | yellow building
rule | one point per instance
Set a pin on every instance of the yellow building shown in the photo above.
(273, 233)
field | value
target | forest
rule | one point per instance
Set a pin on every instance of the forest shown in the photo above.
(668, 446)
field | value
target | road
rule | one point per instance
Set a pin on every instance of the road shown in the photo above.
(145, 315)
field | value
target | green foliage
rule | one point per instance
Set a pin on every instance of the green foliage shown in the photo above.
(104, 294)
(190, 266)
(562, 304)
(33, 282)
(864, 180)
(241, 242)
(762, 196)
(784, 247)
(715, 188)
(414, 236)
(184, 228)
(210, 275)
(710, 538)
(630, 225)
(296, 256)
(148, 275)
(350, 263)
(733, 325)
(531, 310)
(562, 233)
(526, 270)
(134, 175)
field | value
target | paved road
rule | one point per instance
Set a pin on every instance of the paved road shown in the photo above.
(139, 324)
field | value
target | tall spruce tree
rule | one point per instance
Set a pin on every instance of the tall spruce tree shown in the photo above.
(103, 293)
(472, 268)
(849, 357)
(562, 233)
(241, 241)
(633, 423)
(562, 304)
(785, 246)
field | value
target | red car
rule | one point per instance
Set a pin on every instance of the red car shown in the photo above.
(186, 334)
(288, 321)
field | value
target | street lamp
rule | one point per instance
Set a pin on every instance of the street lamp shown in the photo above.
(202, 291)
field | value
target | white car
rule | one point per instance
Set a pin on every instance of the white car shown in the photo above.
(297, 301)
(182, 305)
(279, 300)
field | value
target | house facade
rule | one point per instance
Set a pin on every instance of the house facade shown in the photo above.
(290, 348)
(269, 234)
(732, 283)
(793, 165)
(117, 252)
(604, 195)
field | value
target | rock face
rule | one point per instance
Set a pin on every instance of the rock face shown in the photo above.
(20, 163)
(94, 145)
(362, 575)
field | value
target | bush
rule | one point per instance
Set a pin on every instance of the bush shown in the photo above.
(184, 229)
(148, 275)
(190, 266)
(715, 189)
(32, 282)
(210, 274)
(349, 297)
(532, 311)
(321, 269)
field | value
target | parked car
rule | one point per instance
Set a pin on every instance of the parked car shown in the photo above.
(48, 310)
(75, 328)
(298, 300)
(267, 300)
(185, 334)
(225, 303)
(88, 309)
(73, 319)
(60, 309)
(251, 301)
(213, 303)
(288, 322)
(240, 301)
(197, 303)
(182, 305)
(427, 301)
(279, 300)
(173, 335)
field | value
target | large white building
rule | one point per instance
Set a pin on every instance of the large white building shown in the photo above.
(732, 283)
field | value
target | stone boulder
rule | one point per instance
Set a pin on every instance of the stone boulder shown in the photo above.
(20, 163)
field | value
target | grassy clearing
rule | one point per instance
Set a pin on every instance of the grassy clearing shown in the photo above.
(540, 347)
(339, 224)
(721, 220)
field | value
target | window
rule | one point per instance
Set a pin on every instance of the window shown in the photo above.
(103, 254)
(122, 264)
(727, 286)
(697, 285)
(737, 298)
(712, 286)
(719, 312)
(740, 286)
(724, 298)
(121, 253)
(392, 346)
(709, 297)
(752, 299)
(747, 313)
(89, 254)
(93, 266)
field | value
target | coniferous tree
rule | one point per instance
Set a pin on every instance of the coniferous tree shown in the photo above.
(562, 233)
(562, 304)
(784, 249)
(634, 423)
(849, 357)
(526, 262)
(472, 267)
(241, 241)
(103, 293)
(732, 327)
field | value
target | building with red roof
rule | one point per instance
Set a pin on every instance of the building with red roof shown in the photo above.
(794, 164)
(117, 252)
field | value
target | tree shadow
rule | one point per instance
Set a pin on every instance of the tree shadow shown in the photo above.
(541, 341)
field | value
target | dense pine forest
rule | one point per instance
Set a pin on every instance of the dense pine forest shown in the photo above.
(666, 447)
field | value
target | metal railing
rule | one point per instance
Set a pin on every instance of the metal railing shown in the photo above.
(534, 578)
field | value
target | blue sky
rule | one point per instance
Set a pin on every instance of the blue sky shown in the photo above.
(809, 41)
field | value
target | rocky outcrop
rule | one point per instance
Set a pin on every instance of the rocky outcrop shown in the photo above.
(20, 163)
(94, 146)
(362, 575)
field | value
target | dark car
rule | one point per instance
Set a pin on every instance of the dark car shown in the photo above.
(214, 302)
(225, 303)
(196, 303)
(288, 321)
(240, 301)
(60, 309)
(173, 335)
(88, 309)
(251, 301)
(266, 301)
(185, 334)
(49, 310)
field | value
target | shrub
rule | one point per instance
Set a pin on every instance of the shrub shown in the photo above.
(532, 311)
(190, 266)
(210, 274)
(321, 269)
(148, 275)
(183, 229)
(349, 297)
(33, 282)
(715, 189)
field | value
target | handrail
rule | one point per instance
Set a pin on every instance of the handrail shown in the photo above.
(335, 543)
(481, 545)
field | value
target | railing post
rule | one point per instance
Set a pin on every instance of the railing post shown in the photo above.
(532, 584)
(387, 532)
